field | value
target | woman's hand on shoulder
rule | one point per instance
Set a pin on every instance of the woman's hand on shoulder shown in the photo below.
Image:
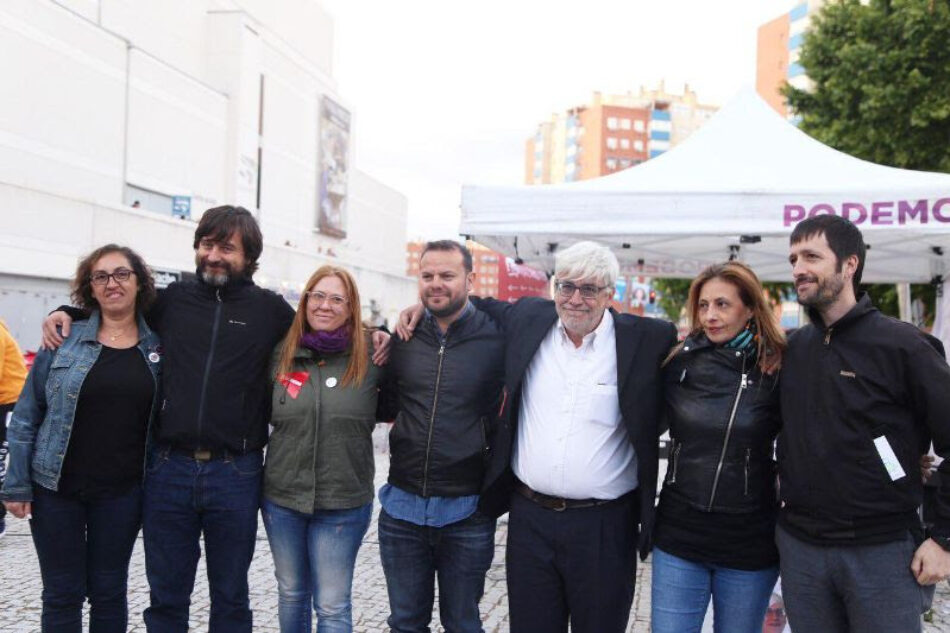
(381, 344)
(771, 362)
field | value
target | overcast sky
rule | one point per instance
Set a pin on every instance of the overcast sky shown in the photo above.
(445, 92)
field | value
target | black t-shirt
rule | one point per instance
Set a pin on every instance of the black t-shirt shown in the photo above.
(738, 541)
(106, 449)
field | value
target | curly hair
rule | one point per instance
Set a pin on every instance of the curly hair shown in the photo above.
(82, 284)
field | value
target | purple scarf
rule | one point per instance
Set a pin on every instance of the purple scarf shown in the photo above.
(327, 341)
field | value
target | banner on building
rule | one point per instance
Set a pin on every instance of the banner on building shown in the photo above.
(332, 168)
(517, 280)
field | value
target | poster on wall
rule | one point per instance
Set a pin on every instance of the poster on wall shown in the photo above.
(332, 167)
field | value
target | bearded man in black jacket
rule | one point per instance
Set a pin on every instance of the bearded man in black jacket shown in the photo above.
(204, 474)
(860, 394)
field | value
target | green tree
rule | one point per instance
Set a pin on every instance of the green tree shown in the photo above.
(881, 81)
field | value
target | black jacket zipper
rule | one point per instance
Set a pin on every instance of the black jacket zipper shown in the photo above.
(674, 462)
(207, 374)
(743, 382)
(435, 401)
(748, 455)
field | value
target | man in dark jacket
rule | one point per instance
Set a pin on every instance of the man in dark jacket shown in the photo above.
(205, 475)
(574, 456)
(448, 378)
(860, 394)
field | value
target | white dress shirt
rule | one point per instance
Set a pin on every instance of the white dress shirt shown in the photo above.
(571, 439)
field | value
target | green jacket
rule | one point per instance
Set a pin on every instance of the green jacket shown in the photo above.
(320, 451)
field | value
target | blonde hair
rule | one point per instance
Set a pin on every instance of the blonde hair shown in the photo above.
(770, 334)
(358, 364)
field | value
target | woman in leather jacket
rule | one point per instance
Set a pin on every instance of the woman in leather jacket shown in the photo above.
(714, 530)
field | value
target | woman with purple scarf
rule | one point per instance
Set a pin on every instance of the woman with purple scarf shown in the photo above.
(318, 474)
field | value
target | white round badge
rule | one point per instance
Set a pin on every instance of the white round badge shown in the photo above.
(331, 382)
(154, 357)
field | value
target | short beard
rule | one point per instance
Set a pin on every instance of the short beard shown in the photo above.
(825, 294)
(218, 280)
(448, 310)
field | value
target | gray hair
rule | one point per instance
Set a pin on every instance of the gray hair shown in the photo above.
(587, 260)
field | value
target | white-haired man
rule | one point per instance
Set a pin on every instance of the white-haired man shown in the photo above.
(575, 445)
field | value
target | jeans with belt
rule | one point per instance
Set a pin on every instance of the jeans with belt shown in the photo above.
(186, 497)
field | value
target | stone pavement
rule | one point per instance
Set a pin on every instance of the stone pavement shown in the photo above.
(20, 587)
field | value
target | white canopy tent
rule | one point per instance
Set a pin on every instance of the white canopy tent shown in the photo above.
(736, 187)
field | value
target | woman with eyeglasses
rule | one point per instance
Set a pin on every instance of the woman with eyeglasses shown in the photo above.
(78, 443)
(715, 525)
(318, 473)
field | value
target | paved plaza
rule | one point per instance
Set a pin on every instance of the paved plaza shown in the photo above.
(20, 587)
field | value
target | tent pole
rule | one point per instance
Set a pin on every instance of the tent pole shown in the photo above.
(903, 301)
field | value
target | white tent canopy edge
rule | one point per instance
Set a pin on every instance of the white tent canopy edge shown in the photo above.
(736, 187)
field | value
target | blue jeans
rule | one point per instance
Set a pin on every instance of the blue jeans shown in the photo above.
(314, 556)
(84, 547)
(459, 553)
(681, 591)
(183, 499)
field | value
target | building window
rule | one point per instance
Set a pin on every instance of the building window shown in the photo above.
(611, 142)
(624, 124)
(624, 143)
(624, 163)
(638, 125)
(638, 145)
(611, 164)
(611, 123)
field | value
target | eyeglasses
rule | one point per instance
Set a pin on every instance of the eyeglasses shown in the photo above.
(335, 301)
(588, 291)
(101, 278)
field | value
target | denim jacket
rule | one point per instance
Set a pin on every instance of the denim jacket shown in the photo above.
(43, 417)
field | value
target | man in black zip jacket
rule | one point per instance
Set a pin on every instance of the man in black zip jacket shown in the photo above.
(204, 476)
(860, 394)
(448, 378)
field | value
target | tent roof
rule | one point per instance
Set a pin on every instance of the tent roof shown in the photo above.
(747, 172)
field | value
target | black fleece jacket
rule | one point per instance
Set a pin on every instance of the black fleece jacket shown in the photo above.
(866, 376)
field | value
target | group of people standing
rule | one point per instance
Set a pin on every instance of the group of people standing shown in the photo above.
(152, 409)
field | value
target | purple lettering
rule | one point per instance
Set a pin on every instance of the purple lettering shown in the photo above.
(847, 207)
(794, 213)
(905, 212)
(818, 209)
(881, 213)
(938, 205)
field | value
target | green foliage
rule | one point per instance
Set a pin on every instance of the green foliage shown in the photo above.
(881, 73)
(671, 296)
(884, 298)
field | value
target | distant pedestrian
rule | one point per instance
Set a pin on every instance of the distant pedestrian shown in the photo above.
(12, 377)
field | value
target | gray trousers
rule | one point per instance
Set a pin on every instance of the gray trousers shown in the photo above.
(860, 589)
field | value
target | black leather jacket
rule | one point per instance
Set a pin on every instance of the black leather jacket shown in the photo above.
(448, 392)
(723, 417)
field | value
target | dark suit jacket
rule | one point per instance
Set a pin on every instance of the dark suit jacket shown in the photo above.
(642, 344)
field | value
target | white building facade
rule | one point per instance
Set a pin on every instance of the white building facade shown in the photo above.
(122, 121)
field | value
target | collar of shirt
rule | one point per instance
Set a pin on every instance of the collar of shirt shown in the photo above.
(588, 343)
(466, 313)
